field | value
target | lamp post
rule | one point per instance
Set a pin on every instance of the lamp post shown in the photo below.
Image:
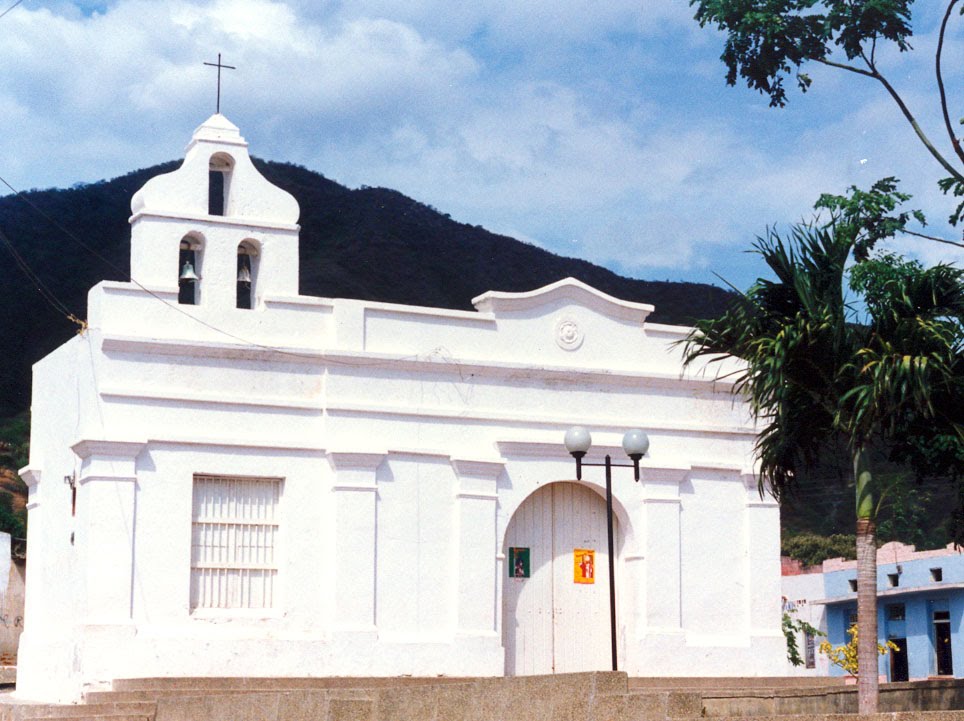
(635, 443)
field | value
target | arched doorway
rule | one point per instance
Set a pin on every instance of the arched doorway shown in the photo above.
(553, 621)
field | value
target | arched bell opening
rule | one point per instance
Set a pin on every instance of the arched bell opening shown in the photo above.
(249, 254)
(189, 270)
(219, 183)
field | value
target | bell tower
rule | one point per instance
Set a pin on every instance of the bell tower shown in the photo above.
(215, 233)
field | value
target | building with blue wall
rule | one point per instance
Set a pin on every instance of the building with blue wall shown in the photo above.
(920, 607)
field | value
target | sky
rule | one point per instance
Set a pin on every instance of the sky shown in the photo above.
(598, 129)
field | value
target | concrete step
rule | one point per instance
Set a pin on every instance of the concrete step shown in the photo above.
(137, 711)
(95, 717)
(152, 695)
(257, 683)
(721, 683)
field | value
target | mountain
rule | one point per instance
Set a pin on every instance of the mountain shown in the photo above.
(369, 243)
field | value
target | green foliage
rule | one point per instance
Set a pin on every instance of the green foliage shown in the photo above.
(954, 186)
(813, 373)
(791, 627)
(768, 40)
(812, 549)
(865, 216)
(914, 512)
(913, 508)
(14, 441)
(12, 521)
(14, 450)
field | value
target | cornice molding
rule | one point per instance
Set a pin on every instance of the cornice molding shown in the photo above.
(88, 448)
(356, 460)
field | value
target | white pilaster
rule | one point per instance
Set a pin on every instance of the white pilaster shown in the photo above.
(477, 587)
(106, 488)
(662, 585)
(354, 491)
(762, 544)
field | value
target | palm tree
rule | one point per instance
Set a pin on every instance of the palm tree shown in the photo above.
(817, 372)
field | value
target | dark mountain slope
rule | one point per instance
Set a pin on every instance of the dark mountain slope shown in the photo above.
(371, 243)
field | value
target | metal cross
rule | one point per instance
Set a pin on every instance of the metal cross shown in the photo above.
(218, 65)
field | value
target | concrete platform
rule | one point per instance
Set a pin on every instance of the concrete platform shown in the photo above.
(717, 683)
(600, 696)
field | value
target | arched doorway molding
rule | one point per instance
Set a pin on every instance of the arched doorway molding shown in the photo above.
(627, 537)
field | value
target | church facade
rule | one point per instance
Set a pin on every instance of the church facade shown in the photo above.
(229, 478)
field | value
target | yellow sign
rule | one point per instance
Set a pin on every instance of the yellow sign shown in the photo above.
(584, 565)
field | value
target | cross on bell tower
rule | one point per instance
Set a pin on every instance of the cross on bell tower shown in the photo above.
(218, 65)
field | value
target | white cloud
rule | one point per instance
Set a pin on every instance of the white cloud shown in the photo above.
(600, 129)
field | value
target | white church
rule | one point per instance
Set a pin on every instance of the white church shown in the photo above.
(228, 478)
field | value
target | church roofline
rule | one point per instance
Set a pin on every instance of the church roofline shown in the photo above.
(495, 301)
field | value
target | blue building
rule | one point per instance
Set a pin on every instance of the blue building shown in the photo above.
(920, 605)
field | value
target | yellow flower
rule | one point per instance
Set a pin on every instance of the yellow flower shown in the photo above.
(845, 656)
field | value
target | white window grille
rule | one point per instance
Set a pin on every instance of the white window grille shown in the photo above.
(234, 542)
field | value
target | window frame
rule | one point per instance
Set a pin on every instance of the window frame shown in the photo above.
(272, 606)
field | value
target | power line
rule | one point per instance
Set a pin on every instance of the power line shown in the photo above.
(176, 307)
(38, 283)
(10, 8)
(66, 231)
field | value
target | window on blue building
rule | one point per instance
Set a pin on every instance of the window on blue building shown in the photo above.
(937, 575)
(942, 642)
(895, 612)
(899, 665)
(893, 580)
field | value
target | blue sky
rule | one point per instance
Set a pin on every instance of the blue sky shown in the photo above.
(602, 130)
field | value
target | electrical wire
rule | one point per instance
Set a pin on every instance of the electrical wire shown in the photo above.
(10, 8)
(38, 283)
(176, 307)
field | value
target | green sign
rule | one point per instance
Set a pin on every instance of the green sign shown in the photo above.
(518, 563)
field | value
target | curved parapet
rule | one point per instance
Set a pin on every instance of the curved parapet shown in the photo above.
(217, 147)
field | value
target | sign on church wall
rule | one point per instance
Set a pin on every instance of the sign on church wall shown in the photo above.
(518, 562)
(584, 565)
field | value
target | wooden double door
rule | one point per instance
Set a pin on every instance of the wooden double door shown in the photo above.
(555, 612)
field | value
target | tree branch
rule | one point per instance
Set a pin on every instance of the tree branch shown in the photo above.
(844, 66)
(917, 128)
(940, 82)
(932, 237)
(875, 74)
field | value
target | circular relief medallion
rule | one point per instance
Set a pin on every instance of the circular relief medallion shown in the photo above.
(568, 335)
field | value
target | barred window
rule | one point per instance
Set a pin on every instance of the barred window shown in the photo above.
(234, 542)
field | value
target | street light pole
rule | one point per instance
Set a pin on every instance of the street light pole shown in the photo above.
(635, 443)
(612, 562)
